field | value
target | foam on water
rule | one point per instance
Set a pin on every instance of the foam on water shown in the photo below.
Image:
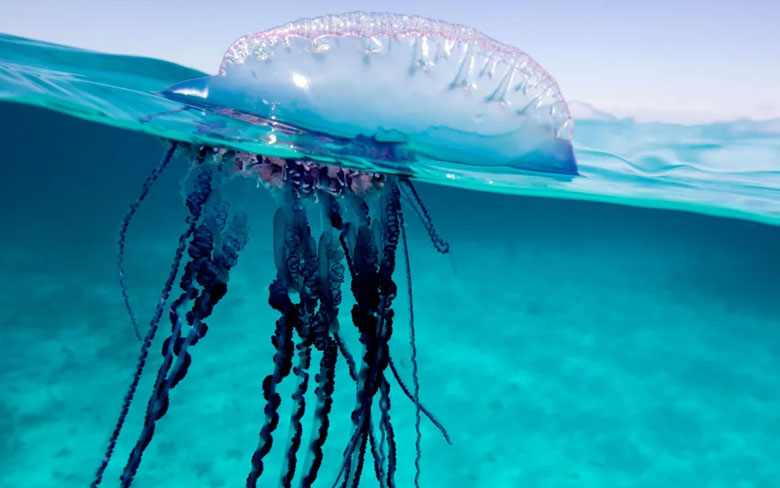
(730, 169)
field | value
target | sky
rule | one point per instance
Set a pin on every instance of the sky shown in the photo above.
(685, 61)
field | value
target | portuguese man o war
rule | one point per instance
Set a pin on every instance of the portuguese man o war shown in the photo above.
(416, 90)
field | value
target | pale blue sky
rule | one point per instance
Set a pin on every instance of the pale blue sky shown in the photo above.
(679, 60)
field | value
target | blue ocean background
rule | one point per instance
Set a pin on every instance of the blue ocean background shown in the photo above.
(566, 343)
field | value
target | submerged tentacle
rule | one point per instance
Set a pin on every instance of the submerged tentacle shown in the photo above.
(410, 192)
(213, 251)
(374, 291)
(389, 232)
(304, 359)
(378, 469)
(362, 226)
(286, 251)
(192, 220)
(325, 384)
(360, 457)
(365, 287)
(347, 356)
(331, 276)
(413, 346)
(387, 431)
(283, 343)
(423, 408)
(141, 362)
(158, 402)
(120, 256)
(310, 327)
(376, 453)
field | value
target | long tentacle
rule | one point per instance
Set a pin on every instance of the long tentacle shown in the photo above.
(413, 344)
(286, 250)
(151, 332)
(324, 392)
(374, 291)
(311, 327)
(300, 370)
(283, 343)
(365, 287)
(331, 276)
(423, 408)
(214, 250)
(353, 374)
(410, 192)
(159, 400)
(120, 256)
(352, 369)
(378, 455)
(141, 362)
(387, 428)
(360, 459)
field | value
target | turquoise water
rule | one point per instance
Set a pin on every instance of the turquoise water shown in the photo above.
(567, 343)
(727, 169)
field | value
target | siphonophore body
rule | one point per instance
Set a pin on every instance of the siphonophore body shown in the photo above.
(409, 90)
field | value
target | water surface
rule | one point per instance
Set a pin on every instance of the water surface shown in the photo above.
(730, 169)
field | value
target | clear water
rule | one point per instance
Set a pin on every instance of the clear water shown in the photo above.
(568, 343)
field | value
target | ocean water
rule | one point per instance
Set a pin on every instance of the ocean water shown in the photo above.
(622, 335)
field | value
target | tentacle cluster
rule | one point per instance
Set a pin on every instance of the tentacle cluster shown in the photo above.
(372, 314)
(192, 221)
(314, 271)
(213, 249)
(362, 225)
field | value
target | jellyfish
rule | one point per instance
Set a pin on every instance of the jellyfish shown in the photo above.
(400, 91)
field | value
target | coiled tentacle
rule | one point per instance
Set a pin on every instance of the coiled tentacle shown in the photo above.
(283, 344)
(310, 326)
(300, 370)
(150, 334)
(413, 346)
(325, 383)
(213, 251)
(387, 432)
(289, 244)
(362, 226)
(331, 275)
(374, 292)
(410, 192)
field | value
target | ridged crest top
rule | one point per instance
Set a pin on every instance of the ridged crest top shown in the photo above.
(520, 80)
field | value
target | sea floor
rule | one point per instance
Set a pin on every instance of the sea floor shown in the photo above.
(562, 344)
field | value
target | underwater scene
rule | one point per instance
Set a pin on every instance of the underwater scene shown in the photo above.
(376, 250)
